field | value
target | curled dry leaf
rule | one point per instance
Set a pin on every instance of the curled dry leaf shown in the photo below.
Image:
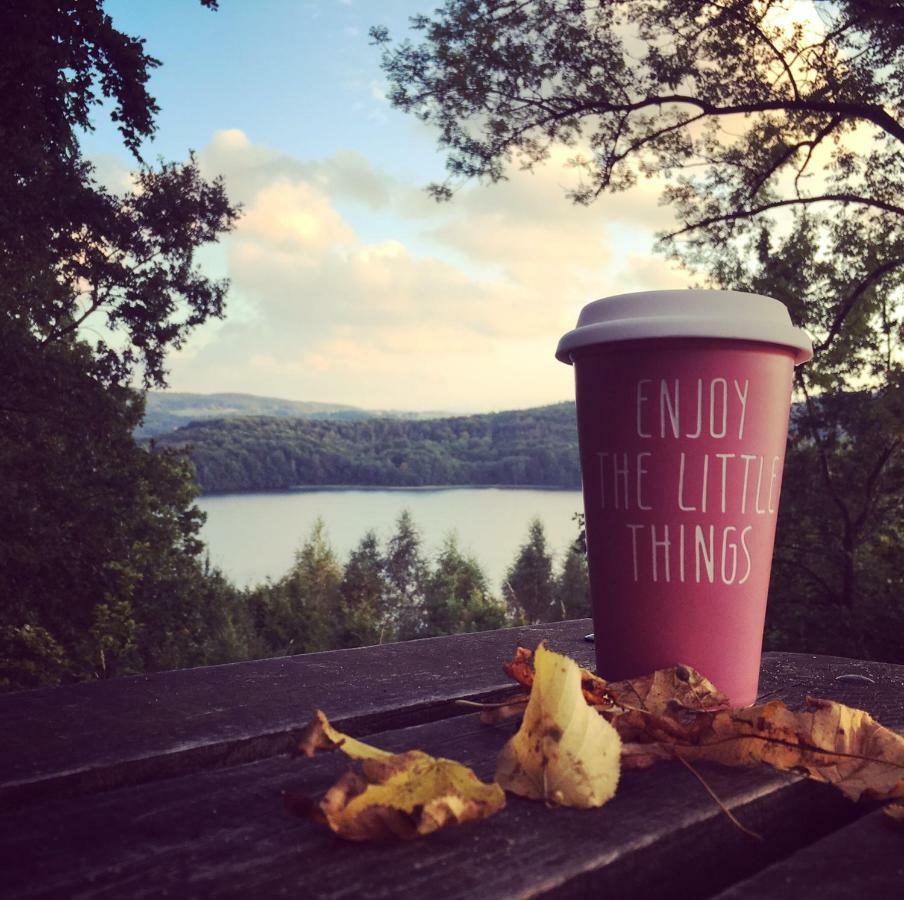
(668, 690)
(403, 795)
(679, 687)
(564, 752)
(678, 713)
(826, 741)
(320, 736)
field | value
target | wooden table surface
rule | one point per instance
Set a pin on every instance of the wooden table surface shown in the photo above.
(170, 784)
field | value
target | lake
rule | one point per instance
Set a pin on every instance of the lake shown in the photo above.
(254, 536)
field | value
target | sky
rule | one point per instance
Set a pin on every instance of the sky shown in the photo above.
(348, 283)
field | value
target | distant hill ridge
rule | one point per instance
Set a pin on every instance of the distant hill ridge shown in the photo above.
(535, 447)
(166, 411)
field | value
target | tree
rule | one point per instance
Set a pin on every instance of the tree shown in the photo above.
(528, 587)
(456, 596)
(406, 573)
(99, 536)
(776, 129)
(311, 591)
(746, 110)
(571, 594)
(70, 250)
(364, 602)
(838, 558)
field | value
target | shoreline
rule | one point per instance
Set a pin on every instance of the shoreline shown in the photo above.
(328, 488)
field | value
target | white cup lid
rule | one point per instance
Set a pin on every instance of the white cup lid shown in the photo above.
(685, 313)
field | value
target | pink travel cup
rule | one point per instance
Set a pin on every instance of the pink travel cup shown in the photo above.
(682, 403)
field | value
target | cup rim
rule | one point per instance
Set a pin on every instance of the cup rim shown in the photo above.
(726, 315)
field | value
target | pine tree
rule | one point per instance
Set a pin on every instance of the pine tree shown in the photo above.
(572, 587)
(364, 600)
(312, 594)
(456, 597)
(406, 573)
(528, 586)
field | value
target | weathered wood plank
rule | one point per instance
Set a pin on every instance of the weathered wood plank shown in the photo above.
(86, 737)
(223, 832)
(865, 859)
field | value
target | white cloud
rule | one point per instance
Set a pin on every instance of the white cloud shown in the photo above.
(456, 306)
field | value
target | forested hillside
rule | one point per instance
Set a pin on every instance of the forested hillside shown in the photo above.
(168, 410)
(521, 447)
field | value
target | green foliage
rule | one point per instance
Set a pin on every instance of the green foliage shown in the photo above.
(113, 639)
(382, 594)
(525, 447)
(70, 250)
(30, 657)
(837, 578)
(300, 613)
(571, 592)
(99, 554)
(365, 603)
(529, 583)
(456, 596)
(406, 574)
(780, 146)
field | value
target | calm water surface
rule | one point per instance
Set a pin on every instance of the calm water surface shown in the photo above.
(252, 537)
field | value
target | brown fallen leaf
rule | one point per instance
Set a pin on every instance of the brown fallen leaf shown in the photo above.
(402, 795)
(679, 686)
(678, 714)
(564, 752)
(826, 741)
(668, 690)
(320, 736)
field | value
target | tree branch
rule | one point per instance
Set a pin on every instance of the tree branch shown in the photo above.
(872, 483)
(875, 114)
(792, 201)
(850, 301)
(823, 455)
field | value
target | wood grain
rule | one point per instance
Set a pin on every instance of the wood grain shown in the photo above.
(87, 737)
(865, 859)
(224, 833)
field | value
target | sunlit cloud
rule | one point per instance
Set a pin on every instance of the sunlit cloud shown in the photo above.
(455, 306)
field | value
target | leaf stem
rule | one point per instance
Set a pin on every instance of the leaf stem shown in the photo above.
(716, 799)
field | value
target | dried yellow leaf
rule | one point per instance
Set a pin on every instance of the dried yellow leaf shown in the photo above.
(403, 795)
(667, 690)
(407, 795)
(319, 735)
(827, 742)
(662, 691)
(564, 753)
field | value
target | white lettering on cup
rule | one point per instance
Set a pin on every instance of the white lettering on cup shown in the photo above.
(724, 457)
(634, 529)
(681, 504)
(744, 534)
(641, 399)
(641, 472)
(748, 459)
(743, 399)
(705, 550)
(759, 484)
(712, 407)
(666, 545)
(666, 405)
(726, 579)
(699, 430)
